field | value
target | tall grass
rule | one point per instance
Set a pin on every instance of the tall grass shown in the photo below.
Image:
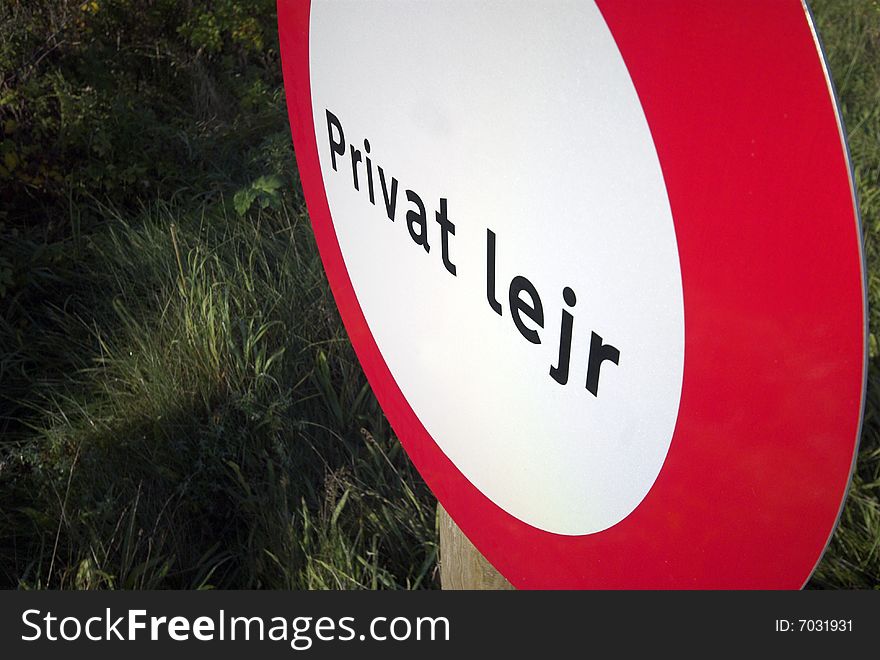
(210, 426)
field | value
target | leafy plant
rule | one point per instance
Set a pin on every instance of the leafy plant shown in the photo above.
(265, 192)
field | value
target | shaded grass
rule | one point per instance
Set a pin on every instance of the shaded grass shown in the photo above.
(210, 425)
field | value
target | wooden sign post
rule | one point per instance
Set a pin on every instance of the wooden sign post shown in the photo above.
(461, 564)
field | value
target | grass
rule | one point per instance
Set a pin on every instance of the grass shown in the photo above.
(203, 422)
(180, 406)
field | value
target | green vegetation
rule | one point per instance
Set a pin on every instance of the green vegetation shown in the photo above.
(179, 406)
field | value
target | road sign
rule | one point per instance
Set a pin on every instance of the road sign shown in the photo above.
(601, 264)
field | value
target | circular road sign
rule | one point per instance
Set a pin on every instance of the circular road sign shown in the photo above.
(601, 263)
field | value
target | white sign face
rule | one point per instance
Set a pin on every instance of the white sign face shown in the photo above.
(516, 262)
